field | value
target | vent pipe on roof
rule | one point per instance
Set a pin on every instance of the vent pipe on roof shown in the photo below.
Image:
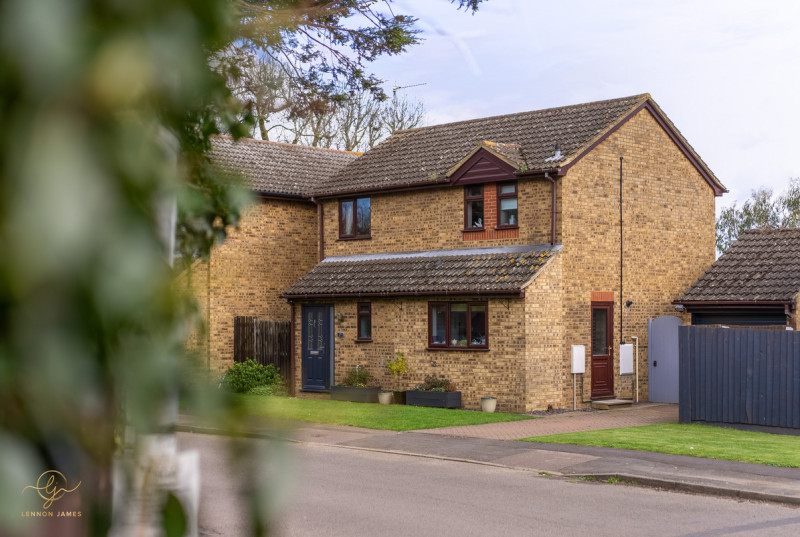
(556, 154)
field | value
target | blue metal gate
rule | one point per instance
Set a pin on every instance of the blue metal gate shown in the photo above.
(662, 359)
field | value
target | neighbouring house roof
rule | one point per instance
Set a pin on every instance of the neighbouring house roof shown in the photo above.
(499, 270)
(276, 168)
(762, 266)
(428, 155)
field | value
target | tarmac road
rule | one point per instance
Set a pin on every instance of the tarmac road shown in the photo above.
(332, 491)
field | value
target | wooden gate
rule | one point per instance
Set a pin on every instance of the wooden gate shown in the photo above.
(266, 342)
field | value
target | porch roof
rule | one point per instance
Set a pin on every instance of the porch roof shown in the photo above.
(465, 271)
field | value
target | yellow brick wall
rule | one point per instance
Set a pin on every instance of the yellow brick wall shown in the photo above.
(401, 325)
(275, 245)
(544, 336)
(668, 227)
(433, 219)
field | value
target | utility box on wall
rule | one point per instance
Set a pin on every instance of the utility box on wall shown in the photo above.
(578, 359)
(626, 359)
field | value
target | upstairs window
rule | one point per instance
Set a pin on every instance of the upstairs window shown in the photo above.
(364, 318)
(454, 325)
(473, 207)
(355, 218)
(507, 215)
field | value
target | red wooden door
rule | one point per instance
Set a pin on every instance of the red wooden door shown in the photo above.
(602, 350)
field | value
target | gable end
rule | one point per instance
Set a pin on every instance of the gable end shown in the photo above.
(673, 134)
(483, 167)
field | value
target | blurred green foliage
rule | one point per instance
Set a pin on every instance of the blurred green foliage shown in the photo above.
(107, 110)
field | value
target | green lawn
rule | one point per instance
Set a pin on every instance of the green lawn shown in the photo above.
(694, 440)
(368, 415)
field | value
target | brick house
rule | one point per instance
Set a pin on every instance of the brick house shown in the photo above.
(275, 244)
(485, 250)
(756, 282)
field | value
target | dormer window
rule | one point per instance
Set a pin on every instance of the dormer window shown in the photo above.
(355, 217)
(507, 216)
(473, 208)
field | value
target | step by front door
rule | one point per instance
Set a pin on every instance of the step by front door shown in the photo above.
(317, 347)
(602, 350)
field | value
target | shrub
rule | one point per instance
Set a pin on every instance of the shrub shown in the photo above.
(242, 377)
(398, 366)
(357, 377)
(432, 384)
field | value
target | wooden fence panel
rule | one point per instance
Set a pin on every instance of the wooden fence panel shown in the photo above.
(747, 376)
(265, 341)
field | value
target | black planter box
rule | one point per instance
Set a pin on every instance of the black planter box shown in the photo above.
(434, 399)
(352, 393)
(400, 397)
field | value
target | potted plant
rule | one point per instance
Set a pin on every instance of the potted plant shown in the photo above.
(434, 392)
(397, 368)
(355, 387)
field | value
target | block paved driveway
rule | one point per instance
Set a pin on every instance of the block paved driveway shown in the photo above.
(570, 422)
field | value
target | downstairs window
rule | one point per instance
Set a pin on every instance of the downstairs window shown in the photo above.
(455, 325)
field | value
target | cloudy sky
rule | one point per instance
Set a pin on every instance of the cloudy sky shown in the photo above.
(726, 72)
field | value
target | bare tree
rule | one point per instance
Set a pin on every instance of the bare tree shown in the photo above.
(259, 84)
(360, 122)
(353, 121)
(402, 113)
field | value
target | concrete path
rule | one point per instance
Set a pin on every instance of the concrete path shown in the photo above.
(570, 422)
(489, 444)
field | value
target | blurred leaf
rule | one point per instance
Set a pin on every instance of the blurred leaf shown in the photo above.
(174, 519)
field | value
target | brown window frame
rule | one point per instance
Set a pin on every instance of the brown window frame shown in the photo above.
(467, 200)
(355, 235)
(514, 195)
(447, 345)
(359, 315)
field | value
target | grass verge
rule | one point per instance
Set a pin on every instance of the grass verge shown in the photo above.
(694, 440)
(370, 416)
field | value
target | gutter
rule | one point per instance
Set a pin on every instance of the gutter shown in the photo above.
(279, 196)
(515, 293)
(729, 304)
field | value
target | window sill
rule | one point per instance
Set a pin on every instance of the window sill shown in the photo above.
(506, 227)
(362, 341)
(468, 349)
(473, 229)
(353, 238)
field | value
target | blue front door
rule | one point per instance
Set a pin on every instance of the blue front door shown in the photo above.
(317, 348)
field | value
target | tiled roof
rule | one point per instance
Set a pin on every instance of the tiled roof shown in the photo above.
(424, 155)
(438, 272)
(763, 265)
(278, 168)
